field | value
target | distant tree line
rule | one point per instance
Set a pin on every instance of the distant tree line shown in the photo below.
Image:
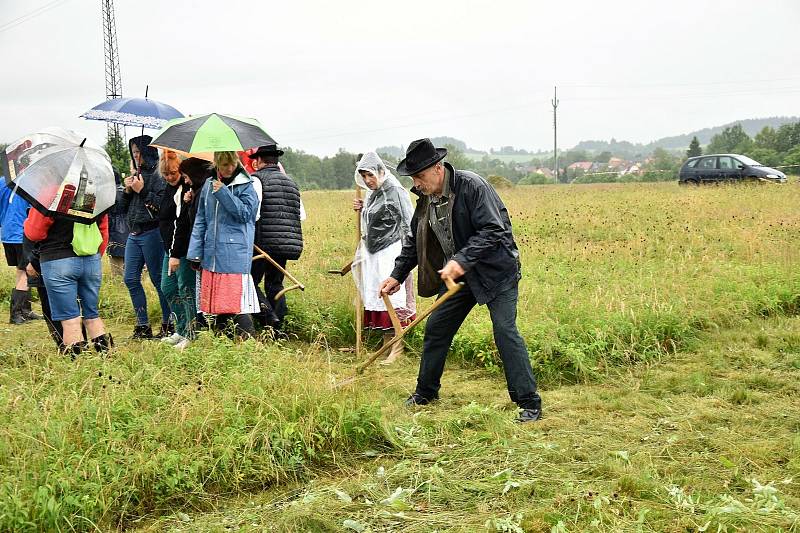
(771, 147)
(336, 172)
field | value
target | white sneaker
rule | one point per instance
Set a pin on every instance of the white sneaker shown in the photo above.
(182, 344)
(173, 339)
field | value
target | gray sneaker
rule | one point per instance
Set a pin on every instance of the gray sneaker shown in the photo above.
(173, 339)
(529, 415)
(183, 344)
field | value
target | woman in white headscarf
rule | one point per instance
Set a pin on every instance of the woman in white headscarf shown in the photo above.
(385, 219)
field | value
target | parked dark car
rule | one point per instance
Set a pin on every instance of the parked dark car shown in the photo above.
(727, 168)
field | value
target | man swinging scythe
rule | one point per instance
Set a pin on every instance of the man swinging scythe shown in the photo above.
(461, 229)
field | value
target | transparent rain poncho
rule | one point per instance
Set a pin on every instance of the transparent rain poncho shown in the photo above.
(387, 211)
(385, 221)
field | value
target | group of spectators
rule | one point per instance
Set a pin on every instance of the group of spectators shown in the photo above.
(192, 224)
(201, 230)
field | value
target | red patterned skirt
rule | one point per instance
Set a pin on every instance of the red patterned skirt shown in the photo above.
(227, 294)
(381, 320)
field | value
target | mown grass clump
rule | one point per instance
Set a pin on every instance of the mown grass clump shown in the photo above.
(102, 441)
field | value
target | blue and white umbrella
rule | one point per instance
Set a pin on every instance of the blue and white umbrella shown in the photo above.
(142, 112)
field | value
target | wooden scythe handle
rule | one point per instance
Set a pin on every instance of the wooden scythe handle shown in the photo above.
(398, 328)
(452, 288)
(297, 284)
(342, 271)
(359, 311)
(285, 290)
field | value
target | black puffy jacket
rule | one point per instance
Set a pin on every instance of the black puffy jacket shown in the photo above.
(278, 232)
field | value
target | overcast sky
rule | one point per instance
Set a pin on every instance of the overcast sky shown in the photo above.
(321, 75)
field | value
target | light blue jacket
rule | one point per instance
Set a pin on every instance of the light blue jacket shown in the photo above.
(222, 236)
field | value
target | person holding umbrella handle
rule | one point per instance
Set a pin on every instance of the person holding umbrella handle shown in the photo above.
(221, 244)
(140, 200)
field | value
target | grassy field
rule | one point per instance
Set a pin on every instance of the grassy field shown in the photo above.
(707, 441)
(663, 324)
(612, 274)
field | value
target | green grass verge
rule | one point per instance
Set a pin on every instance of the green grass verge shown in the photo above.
(99, 442)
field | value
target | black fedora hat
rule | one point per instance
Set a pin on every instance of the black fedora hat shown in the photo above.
(269, 149)
(420, 155)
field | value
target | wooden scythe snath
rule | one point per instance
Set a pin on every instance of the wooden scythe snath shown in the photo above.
(452, 288)
(342, 271)
(297, 285)
(359, 304)
(359, 318)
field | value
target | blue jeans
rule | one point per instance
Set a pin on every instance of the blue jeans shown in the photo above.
(71, 278)
(179, 291)
(442, 326)
(140, 250)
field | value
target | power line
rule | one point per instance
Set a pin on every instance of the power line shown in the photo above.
(35, 13)
(747, 92)
(365, 128)
(759, 81)
(413, 124)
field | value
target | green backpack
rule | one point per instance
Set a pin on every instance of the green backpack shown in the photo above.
(86, 239)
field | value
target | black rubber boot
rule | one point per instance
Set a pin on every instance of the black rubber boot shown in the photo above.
(200, 322)
(103, 343)
(166, 330)
(27, 312)
(243, 327)
(56, 332)
(143, 332)
(18, 307)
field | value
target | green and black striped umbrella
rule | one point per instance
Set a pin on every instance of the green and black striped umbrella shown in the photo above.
(211, 133)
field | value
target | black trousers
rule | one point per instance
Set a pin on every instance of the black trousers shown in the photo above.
(442, 326)
(55, 328)
(273, 284)
(235, 326)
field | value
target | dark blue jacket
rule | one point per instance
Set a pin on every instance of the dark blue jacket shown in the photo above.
(117, 225)
(142, 207)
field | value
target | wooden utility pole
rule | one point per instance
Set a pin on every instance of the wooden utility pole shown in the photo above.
(554, 101)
